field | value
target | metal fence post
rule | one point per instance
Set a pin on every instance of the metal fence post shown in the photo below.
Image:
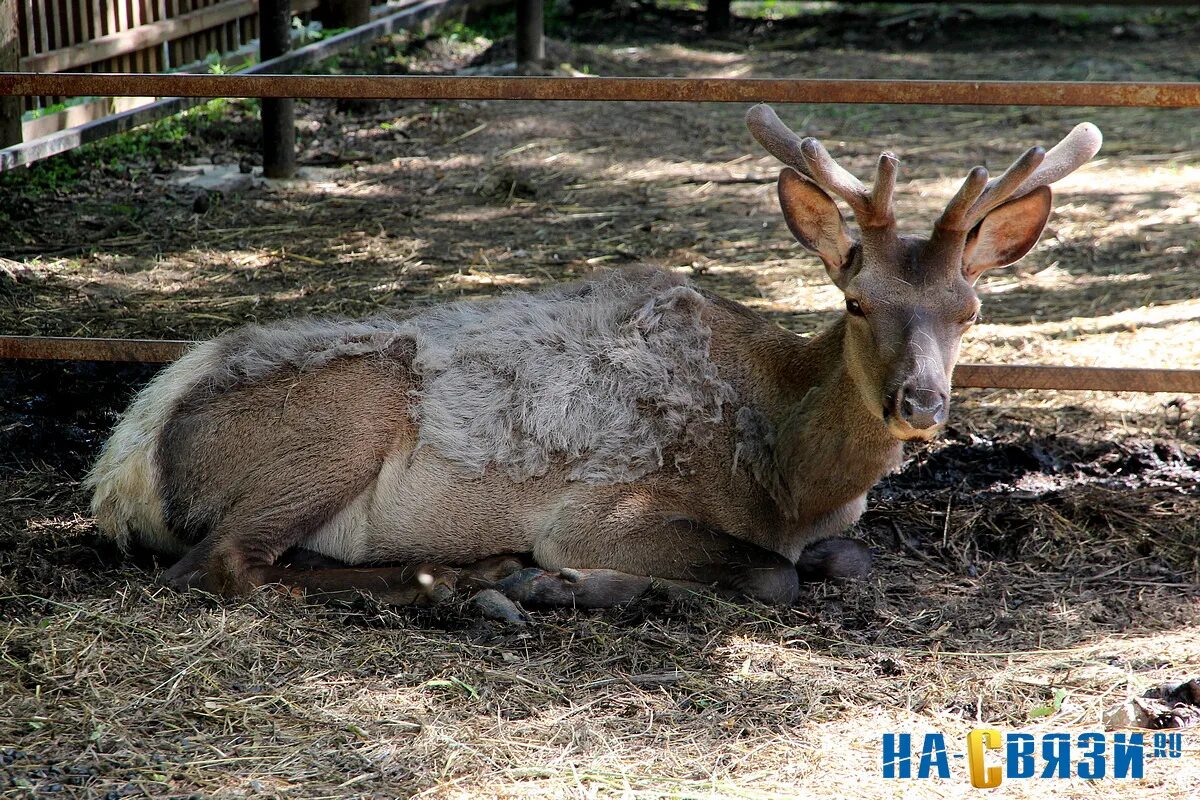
(278, 114)
(531, 40)
(717, 16)
(10, 58)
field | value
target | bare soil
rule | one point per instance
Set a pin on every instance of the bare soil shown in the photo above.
(1039, 564)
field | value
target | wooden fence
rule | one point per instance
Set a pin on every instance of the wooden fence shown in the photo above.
(125, 36)
(108, 112)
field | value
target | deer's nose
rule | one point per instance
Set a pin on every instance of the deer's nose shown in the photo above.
(922, 408)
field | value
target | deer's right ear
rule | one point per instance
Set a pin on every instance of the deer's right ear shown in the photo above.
(815, 221)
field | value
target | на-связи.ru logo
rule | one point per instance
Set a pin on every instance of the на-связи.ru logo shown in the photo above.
(1090, 756)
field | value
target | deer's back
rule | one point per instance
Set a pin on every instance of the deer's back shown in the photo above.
(463, 422)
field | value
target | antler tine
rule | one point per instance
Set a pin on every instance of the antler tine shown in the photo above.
(882, 192)
(831, 176)
(962, 214)
(1076, 149)
(1037, 167)
(955, 215)
(998, 190)
(776, 138)
(872, 208)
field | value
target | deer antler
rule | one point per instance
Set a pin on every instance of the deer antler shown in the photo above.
(1037, 167)
(873, 208)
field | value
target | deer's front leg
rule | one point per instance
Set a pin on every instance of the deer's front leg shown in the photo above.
(612, 549)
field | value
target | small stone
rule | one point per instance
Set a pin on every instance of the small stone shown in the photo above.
(1132, 713)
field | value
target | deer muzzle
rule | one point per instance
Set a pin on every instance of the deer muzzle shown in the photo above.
(916, 412)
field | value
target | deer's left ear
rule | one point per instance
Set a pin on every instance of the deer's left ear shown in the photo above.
(1006, 234)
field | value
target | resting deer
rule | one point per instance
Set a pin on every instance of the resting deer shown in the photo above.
(622, 430)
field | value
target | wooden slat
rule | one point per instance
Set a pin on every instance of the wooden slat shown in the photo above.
(43, 30)
(135, 23)
(122, 17)
(139, 38)
(53, 25)
(10, 53)
(81, 114)
(188, 52)
(30, 37)
(25, 31)
(69, 24)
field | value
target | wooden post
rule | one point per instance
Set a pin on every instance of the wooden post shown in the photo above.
(10, 56)
(343, 13)
(717, 16)
(278, 114)
(531, 40)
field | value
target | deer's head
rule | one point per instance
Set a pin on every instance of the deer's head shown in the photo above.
(909, 299)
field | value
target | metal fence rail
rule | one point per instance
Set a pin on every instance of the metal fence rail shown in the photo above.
(719, 90)
(660, 90)
(991, 376)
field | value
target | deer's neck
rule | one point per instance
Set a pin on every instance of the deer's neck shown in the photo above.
(830, 448)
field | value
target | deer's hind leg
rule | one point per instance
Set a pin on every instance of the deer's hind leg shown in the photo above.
(256, 470)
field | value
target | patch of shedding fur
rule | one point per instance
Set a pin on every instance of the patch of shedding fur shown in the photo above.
(604, 376)
(255, 352)
(755, 450)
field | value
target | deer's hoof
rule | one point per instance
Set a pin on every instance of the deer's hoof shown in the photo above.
(496, 606)
(834, 558)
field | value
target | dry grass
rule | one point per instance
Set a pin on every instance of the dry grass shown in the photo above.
(1046, 545)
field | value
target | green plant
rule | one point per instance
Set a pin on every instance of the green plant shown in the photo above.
(51, 175)
(497, 24)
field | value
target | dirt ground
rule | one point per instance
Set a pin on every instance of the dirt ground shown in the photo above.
(1040, 564)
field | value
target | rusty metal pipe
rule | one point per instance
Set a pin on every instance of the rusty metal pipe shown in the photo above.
(661, 90)
(1094, 379)
(989, 376)
(78, 348)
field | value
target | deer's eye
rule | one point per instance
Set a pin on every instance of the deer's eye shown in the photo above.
(855, 308)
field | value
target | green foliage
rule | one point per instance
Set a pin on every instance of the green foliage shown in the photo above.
(497, 23)
(37, 113)
(1051, 708)
(45, 177)
(167, 138)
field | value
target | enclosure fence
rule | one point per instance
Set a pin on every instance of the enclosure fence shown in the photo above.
(142, 36)
(721, 90)
(138, 36)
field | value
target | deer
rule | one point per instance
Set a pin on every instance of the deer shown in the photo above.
(585, 443)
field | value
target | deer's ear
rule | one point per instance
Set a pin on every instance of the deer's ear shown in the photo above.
(1006, 234)
(815, 221)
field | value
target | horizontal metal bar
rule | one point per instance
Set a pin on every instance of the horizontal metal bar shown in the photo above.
(1097, 379)
(661, 90)
(77, 348)
(980, 376)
